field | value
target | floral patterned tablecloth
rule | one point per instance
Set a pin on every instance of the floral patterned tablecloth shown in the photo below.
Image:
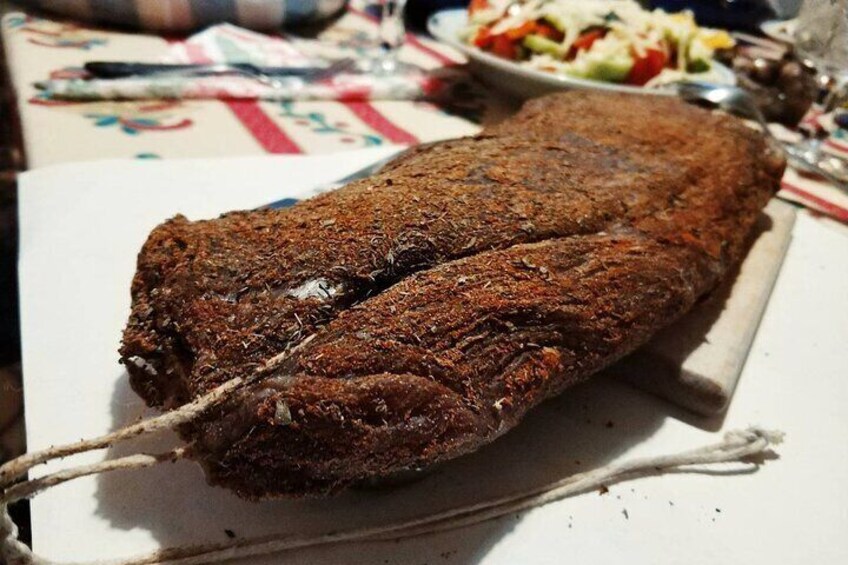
(57, 131)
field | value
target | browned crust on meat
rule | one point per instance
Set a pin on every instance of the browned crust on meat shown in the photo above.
(545, 248)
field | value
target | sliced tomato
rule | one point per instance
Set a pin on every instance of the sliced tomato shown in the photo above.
(503, 47)
(647, 67)
(586, 39)
(477, 5)
(548, 31)
(520, 32)
(483, 39)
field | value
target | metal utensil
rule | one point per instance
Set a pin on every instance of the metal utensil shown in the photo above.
(266, 75)
(125, 69)
(736, 101)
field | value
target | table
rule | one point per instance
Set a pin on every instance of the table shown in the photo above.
(54, 133)
(59, 132)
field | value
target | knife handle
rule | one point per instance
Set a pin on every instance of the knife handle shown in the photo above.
(118, 69)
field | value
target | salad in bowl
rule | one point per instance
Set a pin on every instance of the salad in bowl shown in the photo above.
(613, 41)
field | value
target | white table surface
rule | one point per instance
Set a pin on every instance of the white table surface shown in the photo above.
(78, 256)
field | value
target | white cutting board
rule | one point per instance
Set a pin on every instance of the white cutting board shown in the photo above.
(697, 361)
(81, 226)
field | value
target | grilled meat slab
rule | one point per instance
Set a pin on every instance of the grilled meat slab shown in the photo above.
(448, 294)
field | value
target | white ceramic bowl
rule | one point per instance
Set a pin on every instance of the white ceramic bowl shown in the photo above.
(781, 30)
(525, 82)
(182, 15)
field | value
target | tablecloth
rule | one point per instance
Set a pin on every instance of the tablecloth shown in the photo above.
(57, 131)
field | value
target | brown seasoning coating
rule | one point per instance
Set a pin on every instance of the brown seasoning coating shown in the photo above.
(449, 294)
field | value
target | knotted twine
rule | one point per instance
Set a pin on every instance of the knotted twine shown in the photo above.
(737, 446)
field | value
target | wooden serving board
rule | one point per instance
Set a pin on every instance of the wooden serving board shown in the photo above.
(697, 361)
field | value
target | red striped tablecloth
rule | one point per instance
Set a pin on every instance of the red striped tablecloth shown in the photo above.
(58, 132)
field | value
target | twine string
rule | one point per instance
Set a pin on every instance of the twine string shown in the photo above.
(171, 420)
(737, 446)
(27, 489)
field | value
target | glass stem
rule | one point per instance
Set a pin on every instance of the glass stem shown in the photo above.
(392, 30)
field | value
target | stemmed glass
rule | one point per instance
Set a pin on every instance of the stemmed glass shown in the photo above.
(391, 36)
(821, 40)
(392, 30)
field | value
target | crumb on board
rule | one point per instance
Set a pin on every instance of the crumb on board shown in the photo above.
(626, 515)
(603, 490)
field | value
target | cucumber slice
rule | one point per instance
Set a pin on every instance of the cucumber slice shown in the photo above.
(539, 44)
(555, 21)
(698, 66)
(609, 70)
